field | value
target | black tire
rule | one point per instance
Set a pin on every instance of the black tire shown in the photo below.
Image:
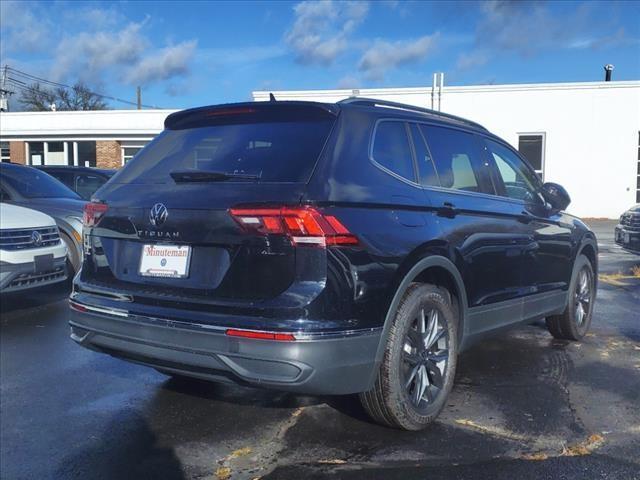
(73, 259)
(392, 400)
(572, 324)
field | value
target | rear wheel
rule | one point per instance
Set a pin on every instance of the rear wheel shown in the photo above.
(418, 367)
(575, 321)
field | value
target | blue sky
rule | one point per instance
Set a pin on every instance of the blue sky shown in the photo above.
(194, 53)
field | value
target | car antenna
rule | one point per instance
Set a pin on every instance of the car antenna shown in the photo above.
(272, 97)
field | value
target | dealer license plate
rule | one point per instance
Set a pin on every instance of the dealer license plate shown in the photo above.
(170, 261)
(626, 238)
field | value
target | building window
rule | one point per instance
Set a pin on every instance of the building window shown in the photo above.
(5, 152)
(55, 153)
(129, 152)
(531, 146)
(36, 153)
(131, 149)
(87, 154)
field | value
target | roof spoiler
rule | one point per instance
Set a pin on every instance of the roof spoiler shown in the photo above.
(249, 112)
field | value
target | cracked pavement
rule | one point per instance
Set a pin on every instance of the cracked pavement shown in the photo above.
(523, 405)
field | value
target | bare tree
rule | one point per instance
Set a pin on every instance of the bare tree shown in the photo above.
(38, 98)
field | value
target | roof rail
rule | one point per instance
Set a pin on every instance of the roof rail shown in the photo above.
(372, 102)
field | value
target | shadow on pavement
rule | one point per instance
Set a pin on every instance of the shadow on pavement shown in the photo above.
(132, 453)
(37, 297)
(238, 395)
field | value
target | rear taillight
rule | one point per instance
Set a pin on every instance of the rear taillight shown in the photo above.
(93, 211)
(261, 335)
(303, 225)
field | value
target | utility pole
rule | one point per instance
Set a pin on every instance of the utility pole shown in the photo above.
(139, 95)
(4, 93)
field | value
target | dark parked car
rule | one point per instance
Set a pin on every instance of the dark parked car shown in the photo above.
(82, 180)
(355, 247)
(627, 232)
(29, 187)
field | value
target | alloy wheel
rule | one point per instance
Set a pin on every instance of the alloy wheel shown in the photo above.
(582, 299)
(425, 356)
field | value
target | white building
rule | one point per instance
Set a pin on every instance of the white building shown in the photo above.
(585, 136)
(105, 138)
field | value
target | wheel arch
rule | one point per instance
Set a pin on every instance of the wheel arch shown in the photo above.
(589, 248)
(434, 269)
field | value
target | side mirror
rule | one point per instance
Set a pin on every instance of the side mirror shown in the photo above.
(556, 196)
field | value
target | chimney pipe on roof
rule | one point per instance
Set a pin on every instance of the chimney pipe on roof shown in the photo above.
(608, 68)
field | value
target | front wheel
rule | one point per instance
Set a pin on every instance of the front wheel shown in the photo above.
(575, 321)
(418, 367)
(73, 259)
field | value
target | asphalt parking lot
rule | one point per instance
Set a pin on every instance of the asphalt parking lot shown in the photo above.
(524, 405)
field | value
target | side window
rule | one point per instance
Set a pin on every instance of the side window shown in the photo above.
(517, 180)
(391, 149)
(87, 184)
(426, 170)
(64, 177)
(456, 156)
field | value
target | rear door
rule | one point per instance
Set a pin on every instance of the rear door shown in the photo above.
(179, 192)
(488, 242)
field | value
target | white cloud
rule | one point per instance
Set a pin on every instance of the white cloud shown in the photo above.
(383, 55)
(102, 47)
(472, 59)
(22, 29)
(530, 27)
(321, 29)
(95, 18)
(88, 55)
(348, 81)
(167, 63)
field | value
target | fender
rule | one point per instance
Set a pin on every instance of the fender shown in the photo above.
(588, 239)
(417, 269)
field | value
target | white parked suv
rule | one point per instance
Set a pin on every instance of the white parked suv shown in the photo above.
(31, 252)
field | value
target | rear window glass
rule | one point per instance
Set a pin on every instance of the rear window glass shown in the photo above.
(32, 183)
(272, 151)
(391, 149)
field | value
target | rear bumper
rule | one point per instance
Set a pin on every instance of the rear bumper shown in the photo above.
(627, 239)
(331, 364)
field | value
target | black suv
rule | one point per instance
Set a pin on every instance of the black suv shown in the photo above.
(627, 232)
(82, 180)
(355, 247)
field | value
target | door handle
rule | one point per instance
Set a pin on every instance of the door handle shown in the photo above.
(448, 210)
(525, 217)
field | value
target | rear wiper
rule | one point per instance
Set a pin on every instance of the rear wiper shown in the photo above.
(183, 176)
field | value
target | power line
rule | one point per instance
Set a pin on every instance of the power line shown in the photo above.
(35, 78)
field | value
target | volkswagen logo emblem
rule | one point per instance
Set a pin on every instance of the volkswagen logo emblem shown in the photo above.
(36, 238)
(158, 214)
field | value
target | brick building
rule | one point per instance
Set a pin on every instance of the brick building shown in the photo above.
(104, 139)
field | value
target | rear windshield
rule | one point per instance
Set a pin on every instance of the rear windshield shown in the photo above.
(32, 183)
(282, 151)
